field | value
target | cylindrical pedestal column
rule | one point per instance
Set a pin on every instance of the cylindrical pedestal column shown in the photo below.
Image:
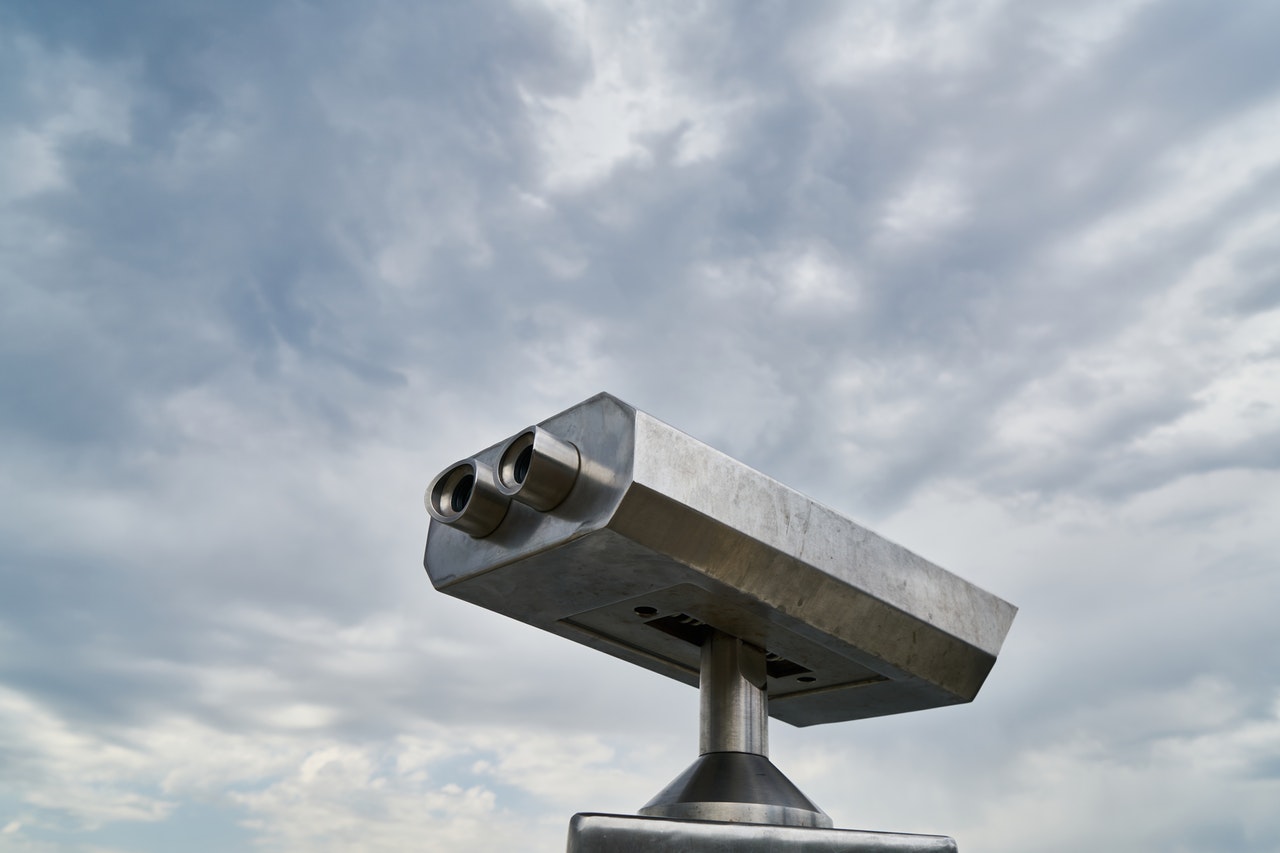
(733, 780)
(734, 705)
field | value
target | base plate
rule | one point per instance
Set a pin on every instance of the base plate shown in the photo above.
(603, 833)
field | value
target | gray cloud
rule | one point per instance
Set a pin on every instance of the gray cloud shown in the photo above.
(1000, 280)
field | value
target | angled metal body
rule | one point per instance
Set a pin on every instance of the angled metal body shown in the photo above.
(638, 540)
(606, 526)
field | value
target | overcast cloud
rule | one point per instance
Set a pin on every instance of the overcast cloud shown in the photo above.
(999, 280)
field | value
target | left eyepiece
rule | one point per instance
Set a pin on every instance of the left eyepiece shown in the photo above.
(466, 496)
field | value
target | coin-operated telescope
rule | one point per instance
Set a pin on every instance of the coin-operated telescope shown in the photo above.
(606, 526)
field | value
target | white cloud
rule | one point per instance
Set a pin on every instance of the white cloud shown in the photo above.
(302, 790)
(629, 98)
(930, 203)
(56, 767)
(1186, 379)
(995, 274)
(799, 279)
(871, 39)
(68, 101)
(1076, 32)
(1192, 183)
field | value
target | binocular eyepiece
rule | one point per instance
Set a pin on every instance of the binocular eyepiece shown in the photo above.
(535, 467)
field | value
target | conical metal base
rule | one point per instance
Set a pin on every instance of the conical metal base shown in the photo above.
(737, 787)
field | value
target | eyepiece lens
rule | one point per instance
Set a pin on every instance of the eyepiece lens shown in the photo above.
(521, 469)
(462, 493)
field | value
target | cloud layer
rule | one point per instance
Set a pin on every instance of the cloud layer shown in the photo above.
(999, 280)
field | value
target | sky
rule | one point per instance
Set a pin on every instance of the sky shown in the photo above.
(999, 280)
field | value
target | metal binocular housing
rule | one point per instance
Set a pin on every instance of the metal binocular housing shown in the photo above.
(607, 526)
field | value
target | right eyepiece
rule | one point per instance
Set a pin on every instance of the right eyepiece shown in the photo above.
(538, 468)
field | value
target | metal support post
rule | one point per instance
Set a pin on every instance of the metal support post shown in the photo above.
(734, 707)
(613, 529)
(733, 779)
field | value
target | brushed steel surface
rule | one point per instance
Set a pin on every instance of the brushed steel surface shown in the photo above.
(602, 833)
(660, 531)
(537, 468)
(466, 496)
(733, 704)
(736, 787)
(733, 779)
